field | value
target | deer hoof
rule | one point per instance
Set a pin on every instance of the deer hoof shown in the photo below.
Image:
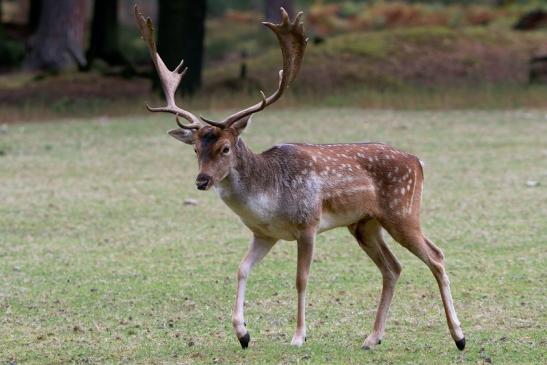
(460, 344)
(370, 343)
(244, 341)
(368, 347)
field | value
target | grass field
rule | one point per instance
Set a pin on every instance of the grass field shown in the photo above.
(101, 262)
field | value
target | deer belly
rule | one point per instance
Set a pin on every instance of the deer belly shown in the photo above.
(329, 220)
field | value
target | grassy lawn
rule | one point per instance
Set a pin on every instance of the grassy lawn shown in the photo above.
(101, 262)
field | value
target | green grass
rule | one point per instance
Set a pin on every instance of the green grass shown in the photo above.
(100, 261)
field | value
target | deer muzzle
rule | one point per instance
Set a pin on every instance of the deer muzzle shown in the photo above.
(204, 181)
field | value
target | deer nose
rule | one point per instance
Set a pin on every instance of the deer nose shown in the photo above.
(203, 181)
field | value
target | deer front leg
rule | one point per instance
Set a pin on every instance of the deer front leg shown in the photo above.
(259, 248)
(305, 255)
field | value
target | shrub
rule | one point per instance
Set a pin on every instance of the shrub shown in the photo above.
(332, 18)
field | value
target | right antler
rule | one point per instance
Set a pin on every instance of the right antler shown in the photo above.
(169, 80)
(292, 41)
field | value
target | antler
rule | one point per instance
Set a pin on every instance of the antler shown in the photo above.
(292, 41)
(169, 80)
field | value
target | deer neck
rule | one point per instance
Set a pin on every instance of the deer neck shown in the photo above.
(245, 175)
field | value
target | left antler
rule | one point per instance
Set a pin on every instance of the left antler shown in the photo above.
(169, 80)
(292, 41)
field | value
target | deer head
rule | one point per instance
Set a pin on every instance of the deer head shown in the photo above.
(215, 143)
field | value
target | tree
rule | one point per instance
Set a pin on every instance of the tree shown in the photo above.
(34, 11)
(57, 43)
(271, 9)
(181, 32)
(104, 34)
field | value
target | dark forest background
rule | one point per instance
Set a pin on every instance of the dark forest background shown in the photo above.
(67, 53)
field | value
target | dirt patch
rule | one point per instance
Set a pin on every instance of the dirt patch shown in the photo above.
(73, 86)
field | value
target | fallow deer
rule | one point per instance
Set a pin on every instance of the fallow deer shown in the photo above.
(296, 191)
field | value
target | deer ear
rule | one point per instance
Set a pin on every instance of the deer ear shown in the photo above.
(241, 124)
(183, 135)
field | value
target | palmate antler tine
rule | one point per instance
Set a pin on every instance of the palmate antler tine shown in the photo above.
(292, 42)
(169, 80)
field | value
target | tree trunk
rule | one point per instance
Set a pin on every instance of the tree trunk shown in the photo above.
(181, 32)
(34, 11)
(57, 44)
(271, 9)
(104, 33)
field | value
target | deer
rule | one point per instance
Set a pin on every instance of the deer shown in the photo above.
(295, 191)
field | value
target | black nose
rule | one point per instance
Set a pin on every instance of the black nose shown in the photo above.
(203, 181)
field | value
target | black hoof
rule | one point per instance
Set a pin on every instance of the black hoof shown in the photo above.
(365, 347)
(379, 342)
(460, 344)
(244, 341)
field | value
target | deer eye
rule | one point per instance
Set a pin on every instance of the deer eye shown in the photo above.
(195, 150)
(226, 150)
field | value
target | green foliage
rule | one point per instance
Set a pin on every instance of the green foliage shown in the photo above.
(219, 7)
(11, 52)
(102, 263)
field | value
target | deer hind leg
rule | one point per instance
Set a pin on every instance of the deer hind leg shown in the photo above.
(369, 237)
(412, 238)
(258, 249)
